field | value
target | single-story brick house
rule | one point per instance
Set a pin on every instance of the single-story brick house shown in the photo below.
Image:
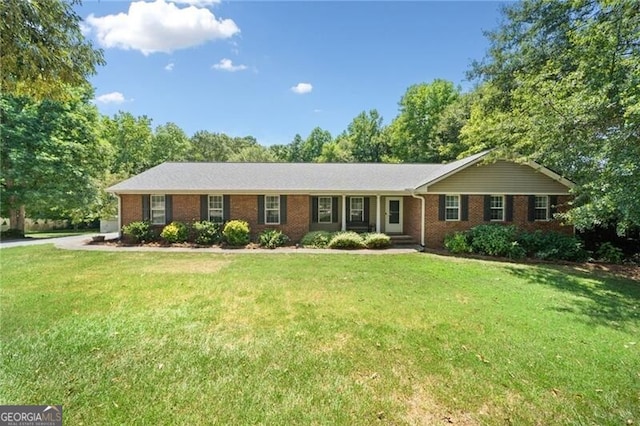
(423, 201)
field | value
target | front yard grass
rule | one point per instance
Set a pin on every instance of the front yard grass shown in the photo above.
(197, 338)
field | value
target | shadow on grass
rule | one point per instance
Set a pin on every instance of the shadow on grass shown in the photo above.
(603, 300)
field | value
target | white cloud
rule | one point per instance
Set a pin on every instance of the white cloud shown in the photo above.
(111, 98)
(160, 27)
(227, 65)
(169, 66)
(302, 88)
(197, 2)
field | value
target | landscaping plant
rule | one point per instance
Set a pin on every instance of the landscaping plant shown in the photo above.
(236, 233)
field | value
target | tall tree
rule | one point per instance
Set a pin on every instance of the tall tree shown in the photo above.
(131, 138)
(413, 130)
(170, 143)
(43, 49)
(207, 146)
(366, 138)
(562, 87)
(53, 159)
(312, 146)
(252, 154)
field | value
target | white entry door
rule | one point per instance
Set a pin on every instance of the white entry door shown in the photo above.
(393, 215)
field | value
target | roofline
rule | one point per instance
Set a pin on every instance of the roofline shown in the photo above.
(327, 192)
(463, 166)
(550, 173)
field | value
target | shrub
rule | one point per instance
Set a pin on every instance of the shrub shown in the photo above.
(206, 233)
(376, 240)
(318, 239)
(272, 238)
(346, 240)
(457, 243)
(138, 232)
(610, 253)
(175, 232)
(553, 246)
(496, 240)
(236, 233)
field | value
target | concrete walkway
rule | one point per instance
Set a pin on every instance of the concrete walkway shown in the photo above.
(80, 242)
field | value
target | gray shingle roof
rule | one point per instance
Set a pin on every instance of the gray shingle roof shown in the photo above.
(287, 177)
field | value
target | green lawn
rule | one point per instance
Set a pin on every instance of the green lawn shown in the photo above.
(200, 338)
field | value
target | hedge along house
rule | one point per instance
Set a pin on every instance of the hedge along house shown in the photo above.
(424, 202)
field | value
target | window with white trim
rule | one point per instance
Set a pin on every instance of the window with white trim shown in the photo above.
(216, 208)
(541, 207)
(356, 209)
(452, 207)
(158, 214)
(497, 207)
(325, 209)
(272, 209)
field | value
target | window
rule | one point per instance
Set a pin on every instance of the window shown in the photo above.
(541, 207)
(272, 209)
(497, 208)
(158, 210)
(356, 209)
(325, 209)
(452, 207)
(216, 214)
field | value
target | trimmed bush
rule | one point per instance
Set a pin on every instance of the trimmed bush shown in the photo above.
(272, 238)
(610, 253)
(346, 240)
(138, 232)
(175, 232)
(317, 239)
(553, 246)
(376, 240)
(496, 240)
(206, 233)
(457, 243)
(236, 233)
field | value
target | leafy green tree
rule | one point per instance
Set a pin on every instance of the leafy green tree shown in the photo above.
(131, 138)
(561, 86)
(312, 147)
(412, 132)
(295, 149)
(366, 138)
(169, 143)
(43, 49)
(53, 159)
(212, 147)
(337, 151)
(252, 154)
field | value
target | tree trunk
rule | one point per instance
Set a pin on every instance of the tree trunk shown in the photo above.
(16, 220)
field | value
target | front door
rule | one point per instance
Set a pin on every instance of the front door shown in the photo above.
(393, 215)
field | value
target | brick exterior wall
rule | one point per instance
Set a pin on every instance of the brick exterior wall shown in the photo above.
(186, 208)
(436, 230)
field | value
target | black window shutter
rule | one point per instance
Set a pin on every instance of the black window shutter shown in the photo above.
(260, 209)
(366, 209)
(464, 206)
(226, 208)
(553, 201)
(348, 201)
(168, 209)
(314, 209)
(509, 208)
(146, 207)
(487, 208)
(334, 209)
(441, 207)
(204, 207)
(532, 208)
(283, 209)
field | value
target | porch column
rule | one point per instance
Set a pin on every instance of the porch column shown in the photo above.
(378, 213)
(344, 212)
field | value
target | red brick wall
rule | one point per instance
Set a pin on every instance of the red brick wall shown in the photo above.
(245, 207)
(411, 217)
(131, 206)
(436, 230)
(186, 208)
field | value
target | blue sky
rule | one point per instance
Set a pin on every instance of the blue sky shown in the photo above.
(271, 69)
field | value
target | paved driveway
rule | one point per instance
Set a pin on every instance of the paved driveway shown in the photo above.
(72, 240)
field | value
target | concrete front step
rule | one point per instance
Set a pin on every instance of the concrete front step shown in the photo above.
(402, 240)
